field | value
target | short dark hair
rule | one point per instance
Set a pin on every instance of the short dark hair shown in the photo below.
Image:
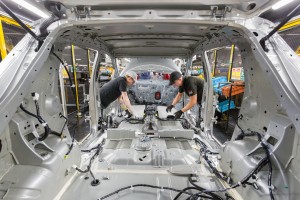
(174, 76)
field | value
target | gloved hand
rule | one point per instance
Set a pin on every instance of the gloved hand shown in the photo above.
(177, 114)
(169, 108)
(128, 113)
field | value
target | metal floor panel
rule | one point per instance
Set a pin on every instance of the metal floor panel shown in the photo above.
(178, 144)
(118, 144)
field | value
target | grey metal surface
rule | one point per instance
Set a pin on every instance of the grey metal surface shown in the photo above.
(242, 6)
(270, 107)
(118, 144)
(178, 144)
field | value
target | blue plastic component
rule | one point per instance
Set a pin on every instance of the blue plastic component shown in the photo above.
(218, 87)
(223, 106)
(145, 75)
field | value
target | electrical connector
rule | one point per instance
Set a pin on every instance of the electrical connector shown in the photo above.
(35, 96)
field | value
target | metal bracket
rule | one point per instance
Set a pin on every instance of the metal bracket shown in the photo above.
(219, 14)
(82, 12)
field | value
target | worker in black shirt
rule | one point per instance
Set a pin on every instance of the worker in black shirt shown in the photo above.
(192, 86)
(117, 89)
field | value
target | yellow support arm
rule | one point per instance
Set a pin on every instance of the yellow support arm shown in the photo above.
(214, 63)
(2, 42)
(10, 21)
(290, 24)
(230, 62)
(75, 80)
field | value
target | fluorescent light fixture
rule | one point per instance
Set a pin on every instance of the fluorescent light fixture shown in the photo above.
(281, 4)
(78, 59)
(126, 59)
(31, 8)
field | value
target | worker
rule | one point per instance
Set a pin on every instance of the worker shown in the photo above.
(192, 86)
(117, 89)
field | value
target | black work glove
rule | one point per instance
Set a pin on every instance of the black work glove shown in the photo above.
(177, 114)
(128, 113)
(169, 108)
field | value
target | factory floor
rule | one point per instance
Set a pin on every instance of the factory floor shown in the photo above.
(78, 126)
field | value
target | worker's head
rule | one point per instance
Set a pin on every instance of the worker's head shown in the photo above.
(131, 77)
(176, 79)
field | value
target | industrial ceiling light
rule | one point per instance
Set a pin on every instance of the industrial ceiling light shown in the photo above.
(31, 8)
(281, 4)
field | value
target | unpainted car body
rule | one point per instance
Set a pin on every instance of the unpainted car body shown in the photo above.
(151, 156)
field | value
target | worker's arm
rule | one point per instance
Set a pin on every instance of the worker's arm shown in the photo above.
(192, 102)
(177, 98)
(121, 102)
(126, 101)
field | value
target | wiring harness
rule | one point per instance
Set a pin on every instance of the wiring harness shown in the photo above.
(38, 117)
(99, 149)
(245, 181)
(184, 191)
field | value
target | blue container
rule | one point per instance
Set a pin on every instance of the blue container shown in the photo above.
(218, 83)
(223, 106)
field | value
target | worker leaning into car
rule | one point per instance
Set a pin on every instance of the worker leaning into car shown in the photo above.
(117, 89)
(192, 86)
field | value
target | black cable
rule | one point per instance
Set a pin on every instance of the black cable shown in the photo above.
(197, 140)
(72, 145)
(210, 152)
(27, 112)
(189, 188)
(216, 197)
(41, 121)
(88, 168)
(70, 79)
(56, 133)
(89, 150)
(265, 147)
(258, 167)
(28, 30)
(262, 163)
(37, 108)
(199, 193)
(239, 127)
(144, 185)
(241, 135)
(99, 148)
(46, 24)
(204, 152)
(290, 15)
(93, 148)
(66, 120)
(220, 175)
(270, 180)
